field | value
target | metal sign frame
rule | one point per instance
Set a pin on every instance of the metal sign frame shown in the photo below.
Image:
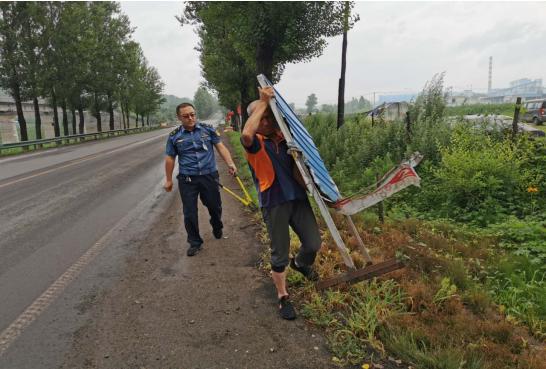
(309, 183)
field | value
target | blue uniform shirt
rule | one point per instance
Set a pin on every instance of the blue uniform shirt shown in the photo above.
(195, 149)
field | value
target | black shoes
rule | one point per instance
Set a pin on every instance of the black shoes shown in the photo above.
(307, 270)
(217, 233)
(286, 310)
(193, 250)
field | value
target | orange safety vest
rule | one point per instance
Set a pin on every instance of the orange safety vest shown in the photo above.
(262, 165)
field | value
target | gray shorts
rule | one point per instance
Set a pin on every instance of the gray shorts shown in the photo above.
(298, 215)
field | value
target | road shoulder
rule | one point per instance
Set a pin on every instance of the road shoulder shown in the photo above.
(215, 310)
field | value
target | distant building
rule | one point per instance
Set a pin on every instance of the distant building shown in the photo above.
(7, 104)
(464, 98)
(9, 124)
(390, 111)
(526, 88)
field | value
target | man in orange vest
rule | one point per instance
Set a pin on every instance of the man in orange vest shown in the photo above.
(282, 197)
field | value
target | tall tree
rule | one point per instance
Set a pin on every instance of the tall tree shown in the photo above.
(264, 35)
(270, 34)
(33, 43)
(311, 103)
(224, 69)
(102, 15)
(204, 102)
(76, 42)
(53, 59)
(12, 18)
(131, 56)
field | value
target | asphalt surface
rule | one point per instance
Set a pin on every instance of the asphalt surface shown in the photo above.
(94, 274)
(58, 210)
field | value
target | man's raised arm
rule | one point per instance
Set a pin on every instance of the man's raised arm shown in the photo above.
(258, 108)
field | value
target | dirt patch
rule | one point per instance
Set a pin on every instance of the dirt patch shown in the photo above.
(214, 310)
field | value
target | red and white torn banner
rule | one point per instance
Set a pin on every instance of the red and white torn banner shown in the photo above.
(396, 180)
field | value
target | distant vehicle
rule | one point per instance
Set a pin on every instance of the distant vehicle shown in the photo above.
(536, 111)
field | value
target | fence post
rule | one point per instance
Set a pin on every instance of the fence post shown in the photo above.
(516, 118)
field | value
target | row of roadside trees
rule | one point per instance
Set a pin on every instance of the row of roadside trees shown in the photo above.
(239, 40)
(79, 56)
(353, 106)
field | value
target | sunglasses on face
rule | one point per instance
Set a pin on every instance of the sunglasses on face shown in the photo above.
(188, 116)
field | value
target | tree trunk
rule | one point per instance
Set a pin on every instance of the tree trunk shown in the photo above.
(136, 120)
(142, 120)
(234, 122)
(122, 115)
(81, 127)
(264, 61)
(97, 112)
(56, 127)
(73, 120)
(148, 120)
(37, 118)
(111, 111)
(246, 99)
(65, 117)
(20, 114)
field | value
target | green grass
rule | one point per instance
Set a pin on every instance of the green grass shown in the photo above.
(426, 356)
(243, 170)
(476, 282)
(352, 318)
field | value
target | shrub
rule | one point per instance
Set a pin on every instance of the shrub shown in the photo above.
(475, 181)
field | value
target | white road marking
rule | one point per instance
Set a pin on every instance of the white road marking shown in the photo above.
(90, 157)
(34, 310)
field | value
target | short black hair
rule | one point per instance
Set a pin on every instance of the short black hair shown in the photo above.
(183, 105)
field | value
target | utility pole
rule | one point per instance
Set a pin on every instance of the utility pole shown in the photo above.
(341, 92)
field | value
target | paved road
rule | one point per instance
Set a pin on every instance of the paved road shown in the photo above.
(60, 212)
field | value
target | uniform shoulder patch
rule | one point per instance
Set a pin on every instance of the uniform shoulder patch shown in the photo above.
(175, 131)
(211, 128)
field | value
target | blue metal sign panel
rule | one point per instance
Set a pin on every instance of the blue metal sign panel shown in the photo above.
(304, 142)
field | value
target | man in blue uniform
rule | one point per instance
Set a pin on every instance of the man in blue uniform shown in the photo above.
(282, 197)
(193, 143)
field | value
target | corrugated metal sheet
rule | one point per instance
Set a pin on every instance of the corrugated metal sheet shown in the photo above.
(304, 142)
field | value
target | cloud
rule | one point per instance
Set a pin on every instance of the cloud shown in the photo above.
(395, 47)
(166, 44)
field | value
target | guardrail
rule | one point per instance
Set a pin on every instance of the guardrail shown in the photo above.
(61, 140)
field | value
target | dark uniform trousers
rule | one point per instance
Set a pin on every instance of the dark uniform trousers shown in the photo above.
(207, 188)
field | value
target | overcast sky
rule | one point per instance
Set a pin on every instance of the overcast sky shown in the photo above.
(394, 48)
